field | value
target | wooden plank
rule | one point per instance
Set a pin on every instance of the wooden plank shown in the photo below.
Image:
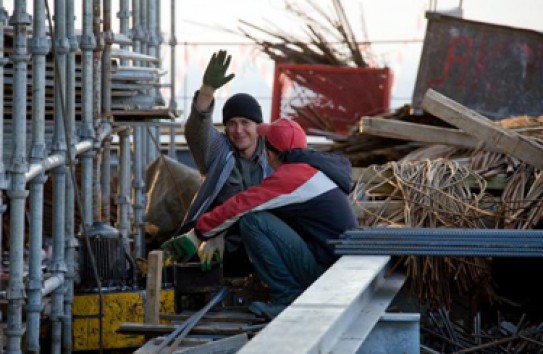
(154, 283)
(507, 141)
(423, 133)
(228, 345)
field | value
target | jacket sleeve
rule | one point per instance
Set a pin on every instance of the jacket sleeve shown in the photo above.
(202, 137)
(290, 184)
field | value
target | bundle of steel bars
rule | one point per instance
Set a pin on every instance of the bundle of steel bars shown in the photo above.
(441, 242)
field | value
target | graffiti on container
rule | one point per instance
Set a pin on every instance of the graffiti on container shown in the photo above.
(475, 64)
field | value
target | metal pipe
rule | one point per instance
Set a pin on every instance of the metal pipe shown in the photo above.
(139, 190)
(144, 26)
(51, 284)
(58, 264)
(157, 40)
(40, 48)
(124, 17)
(70, 243)
(55, 160)
(138, 182)
(106, 112)
(173, 102)
(3, 181)
(137, 31)
(87, 135)
(105, 181)
(146, 45)
(18, 166)
(97, 101)
(124, 187)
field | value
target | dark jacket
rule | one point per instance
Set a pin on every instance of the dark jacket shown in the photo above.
(309, 192)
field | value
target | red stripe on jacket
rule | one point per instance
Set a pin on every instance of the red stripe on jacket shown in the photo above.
(291, 183)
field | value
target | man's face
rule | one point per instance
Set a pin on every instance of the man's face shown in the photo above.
(242, 134)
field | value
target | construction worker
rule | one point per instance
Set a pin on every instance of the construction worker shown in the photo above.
(231, 162)
(286, 221)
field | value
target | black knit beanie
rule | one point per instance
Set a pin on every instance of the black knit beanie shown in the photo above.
(242, 105)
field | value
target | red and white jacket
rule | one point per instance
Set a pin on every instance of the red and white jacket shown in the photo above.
(307, 198)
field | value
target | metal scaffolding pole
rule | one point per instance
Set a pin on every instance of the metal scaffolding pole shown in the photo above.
(58, 266)
(124, 17)
(155, 42)
(70, 244)
(123, 223)
(148, 151)
(88, 44)
(173, 102)
(3, 182)
(106, 111)
(97, 102)
(139, 134)
(18, 166)
(139, 194)
(40, 48)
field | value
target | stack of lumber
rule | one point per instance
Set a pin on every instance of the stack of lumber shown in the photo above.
(474, 173)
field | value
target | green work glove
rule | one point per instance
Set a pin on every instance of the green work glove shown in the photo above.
(209, 248)
(182, 247)
(214, 75)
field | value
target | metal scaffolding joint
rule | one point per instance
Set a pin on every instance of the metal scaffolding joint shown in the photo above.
(62, 45)
(87, 42)
(40, 45)
(20, 17)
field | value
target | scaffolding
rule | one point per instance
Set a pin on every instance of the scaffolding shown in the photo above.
(79, 92)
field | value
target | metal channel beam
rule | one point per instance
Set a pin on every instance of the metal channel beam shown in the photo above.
(349, 298)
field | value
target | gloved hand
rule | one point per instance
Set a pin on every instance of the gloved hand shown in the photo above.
(214, 75)
(182, 247)
(209, 248)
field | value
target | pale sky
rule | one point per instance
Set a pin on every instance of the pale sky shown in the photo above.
(199, 21)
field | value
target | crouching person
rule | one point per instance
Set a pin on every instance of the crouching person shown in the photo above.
(287, 220)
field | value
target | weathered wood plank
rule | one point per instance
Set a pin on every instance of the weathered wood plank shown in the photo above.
(154, 283)
(507, 141)
(423, 133)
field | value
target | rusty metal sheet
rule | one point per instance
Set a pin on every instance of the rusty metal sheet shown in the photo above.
(494, 70)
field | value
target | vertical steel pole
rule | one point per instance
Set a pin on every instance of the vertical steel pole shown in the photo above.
(97, 101)
(87, 43)
(155, 41)
(40, 48)
(139, 194)
(106, 111)
(3, 182)
(173, 102)
(19, 165)
(145, 50)
(58, 266)
(139, 164)
(124, 207)
(124, 187)
(70, 244)
(124, 17)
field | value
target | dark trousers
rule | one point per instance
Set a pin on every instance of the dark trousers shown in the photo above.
(279, 255)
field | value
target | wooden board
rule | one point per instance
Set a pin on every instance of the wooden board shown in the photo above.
(505, 140)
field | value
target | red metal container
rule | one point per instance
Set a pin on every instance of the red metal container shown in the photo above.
(327, 97)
